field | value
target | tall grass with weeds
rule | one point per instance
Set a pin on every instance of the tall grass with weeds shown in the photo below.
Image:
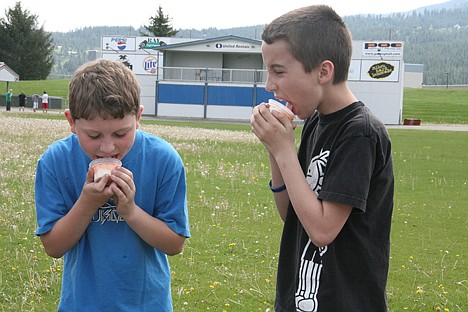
(229, 264)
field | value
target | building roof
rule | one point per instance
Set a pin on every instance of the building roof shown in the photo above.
(7, 74)
(206, 41)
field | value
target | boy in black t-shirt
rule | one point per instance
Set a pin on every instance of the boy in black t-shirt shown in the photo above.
(335, 195)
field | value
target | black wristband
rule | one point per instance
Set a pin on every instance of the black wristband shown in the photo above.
(276, 189)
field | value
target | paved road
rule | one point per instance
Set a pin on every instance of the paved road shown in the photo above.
(432, 127)
(440, 127)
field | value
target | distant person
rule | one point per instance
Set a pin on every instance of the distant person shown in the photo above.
(335, 193)
(8, 99)
(45, 102)
(21, 101)
(35, 99)
(114, 233)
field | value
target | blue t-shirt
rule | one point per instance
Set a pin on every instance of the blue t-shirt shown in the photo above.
(112, 268)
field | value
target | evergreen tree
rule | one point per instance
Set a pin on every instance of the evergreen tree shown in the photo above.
(160, 25)
(25, 48)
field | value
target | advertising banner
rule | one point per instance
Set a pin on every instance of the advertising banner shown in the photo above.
(138, 63)
(354, 73)
(116, 43)
(135, 44)
(383, 49)
(373, 70)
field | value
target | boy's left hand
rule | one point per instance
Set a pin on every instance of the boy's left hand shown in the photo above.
(124, 190)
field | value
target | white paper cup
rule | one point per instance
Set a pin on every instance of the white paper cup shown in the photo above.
(103, 166)
(277, 106)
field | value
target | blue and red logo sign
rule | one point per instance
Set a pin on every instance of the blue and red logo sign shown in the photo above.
(120, 42)
(121, 45)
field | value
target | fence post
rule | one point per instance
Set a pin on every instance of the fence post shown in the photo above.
(156, 101)
(254, 93)
(205, 95)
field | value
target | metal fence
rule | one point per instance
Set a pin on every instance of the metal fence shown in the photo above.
(191, 74)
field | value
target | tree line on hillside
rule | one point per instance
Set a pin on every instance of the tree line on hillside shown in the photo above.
(436, 39)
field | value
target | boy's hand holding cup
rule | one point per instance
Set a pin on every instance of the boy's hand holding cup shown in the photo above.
(104, 166)
(277, 106)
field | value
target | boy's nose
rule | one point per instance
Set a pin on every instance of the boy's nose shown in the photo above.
(107, 147)
(269, 85)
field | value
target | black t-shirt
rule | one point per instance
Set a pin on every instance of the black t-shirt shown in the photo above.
(22, 99)
(346, 158)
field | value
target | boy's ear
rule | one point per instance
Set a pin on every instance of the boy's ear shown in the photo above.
(139, 116)
(70, 121)
(327, 70)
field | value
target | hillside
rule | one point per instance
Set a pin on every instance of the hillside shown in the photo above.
(436, 36)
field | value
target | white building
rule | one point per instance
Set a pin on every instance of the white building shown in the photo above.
(224, 77)
(413, 75)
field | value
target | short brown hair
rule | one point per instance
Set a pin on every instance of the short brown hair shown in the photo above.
(103, 88)
(315, 33)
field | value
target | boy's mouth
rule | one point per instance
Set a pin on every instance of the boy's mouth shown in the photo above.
(110, 156)
(291, 107)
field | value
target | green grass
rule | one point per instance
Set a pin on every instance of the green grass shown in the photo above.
(429, 236)
(440, 106)
(56, 87)
(229, 264)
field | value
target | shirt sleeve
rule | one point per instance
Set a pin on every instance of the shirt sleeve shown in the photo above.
(172, 200)
(50, 206)
(349, 172)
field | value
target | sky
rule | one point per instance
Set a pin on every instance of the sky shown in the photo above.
(66, 16)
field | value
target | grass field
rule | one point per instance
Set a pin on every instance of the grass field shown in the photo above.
(446, 106)
(229, 264)
(56, 87)
(441, 106)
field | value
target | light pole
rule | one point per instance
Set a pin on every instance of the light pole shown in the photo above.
(446, 84)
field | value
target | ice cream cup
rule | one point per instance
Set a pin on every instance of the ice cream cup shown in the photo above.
(103, 166)
(277, 106)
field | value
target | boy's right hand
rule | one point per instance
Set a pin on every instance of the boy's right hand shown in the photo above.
(273, 129)
(96, 194)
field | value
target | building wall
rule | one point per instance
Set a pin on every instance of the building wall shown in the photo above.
(215, 100)
(413, 80)
(242, 61)
(195, 59)
(413, 75)
(376, 78)
(147, 85)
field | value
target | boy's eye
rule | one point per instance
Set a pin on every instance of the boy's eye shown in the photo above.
(95, 136)
(120, 135)
(276, 70)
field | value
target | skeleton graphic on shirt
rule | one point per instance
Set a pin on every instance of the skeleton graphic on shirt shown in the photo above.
(311, 259)
(107, 213)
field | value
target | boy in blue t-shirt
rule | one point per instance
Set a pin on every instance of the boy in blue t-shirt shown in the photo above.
(114, 234)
